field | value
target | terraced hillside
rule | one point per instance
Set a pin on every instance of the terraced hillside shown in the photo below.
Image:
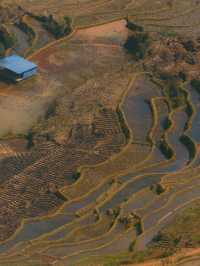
(99, 152)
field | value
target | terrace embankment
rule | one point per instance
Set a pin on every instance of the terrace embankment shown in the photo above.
(95, 125)
(103, 173)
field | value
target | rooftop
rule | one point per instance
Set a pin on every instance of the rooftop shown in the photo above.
(16, 64)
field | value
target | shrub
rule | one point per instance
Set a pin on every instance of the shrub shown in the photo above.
(2, 49)
(8, 40)
(26, 29)
(190, 146)
(138, 228)
(123, 125)
(57, 29)
(169, 34)
(166, 123)
(138, 45)
(157, 189)
(165, 149)
(76, 175)
(132, 26)
(30, 139)
(195, 83)
(182, 75)
(175, 94)
(189, 45)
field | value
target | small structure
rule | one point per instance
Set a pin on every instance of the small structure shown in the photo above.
(16, 68)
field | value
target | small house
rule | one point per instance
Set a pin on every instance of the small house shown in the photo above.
(16, 68)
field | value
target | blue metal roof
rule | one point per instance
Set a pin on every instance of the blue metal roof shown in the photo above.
(16, 64)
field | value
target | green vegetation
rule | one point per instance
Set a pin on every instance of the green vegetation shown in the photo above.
(134, 27)
(168, 34)
(176, 95)
(123, 124)
(2, 49)
(157, 189)
(58, 29)
(138, 45)
(30, 139)
(184, 231)
(167, 123)
(189, 109)
(26, 29)
(195, 83)
(122, 187)
(76, 175)
(190, 146)
(189, 45)
(7, 40)
(166, 149)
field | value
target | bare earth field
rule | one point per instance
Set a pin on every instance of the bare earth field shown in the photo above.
(99, 153)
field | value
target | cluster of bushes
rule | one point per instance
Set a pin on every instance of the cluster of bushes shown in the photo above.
(168, 34)
(25, 28)
(189, 111)
(190, 146)
(166, 123)
(195, 83)
(58, 29)
(2, 49)
(176, 95)
(157, 189)
(76, 175)
(123, 124)
(132, 26)
(165, 149)
(138, 44)
(6, 41)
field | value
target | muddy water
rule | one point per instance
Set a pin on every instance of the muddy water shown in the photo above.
(69, 249)
(139, 117)
(166, 215)
(137, 109)
(120, 244)
(182, 154)
(79, 204)
(117, 34)
(35, 229)
(195, 131)
(136, 203)
(130, 189)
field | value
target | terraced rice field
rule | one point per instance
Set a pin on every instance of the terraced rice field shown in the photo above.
(112, 157)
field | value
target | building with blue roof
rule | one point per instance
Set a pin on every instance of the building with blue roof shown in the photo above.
(17, 68)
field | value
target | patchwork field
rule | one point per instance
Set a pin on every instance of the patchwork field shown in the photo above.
(99, 153)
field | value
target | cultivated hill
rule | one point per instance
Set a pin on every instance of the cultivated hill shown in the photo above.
(99, 153)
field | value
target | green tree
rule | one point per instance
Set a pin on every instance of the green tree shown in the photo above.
(138, 44)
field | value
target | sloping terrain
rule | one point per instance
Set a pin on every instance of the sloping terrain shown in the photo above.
(100, 151)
